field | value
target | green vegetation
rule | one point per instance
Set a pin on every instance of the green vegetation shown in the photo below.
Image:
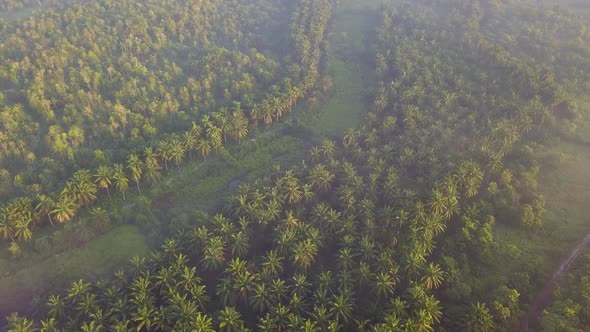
(101, 256)
(570, 309)
(452, 181)
(342, 110)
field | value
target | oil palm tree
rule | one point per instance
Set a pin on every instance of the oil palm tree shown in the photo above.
(202, 323)
(272, 264)
(383, 285)
(433, 276)
(229, 320)
(341, 307)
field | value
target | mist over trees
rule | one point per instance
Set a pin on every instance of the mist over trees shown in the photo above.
(391, 227)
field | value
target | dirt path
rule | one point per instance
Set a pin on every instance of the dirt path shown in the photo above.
(544, 298)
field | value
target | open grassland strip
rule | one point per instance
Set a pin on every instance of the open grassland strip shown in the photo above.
(95, 259)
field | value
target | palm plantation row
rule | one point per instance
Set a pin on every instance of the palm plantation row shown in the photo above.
(211, 134)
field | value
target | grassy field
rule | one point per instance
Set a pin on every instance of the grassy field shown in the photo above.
(95, 259)
(352, 69)
(344, 109)
(567, 186)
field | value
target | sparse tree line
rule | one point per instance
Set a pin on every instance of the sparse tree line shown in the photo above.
(211, 133)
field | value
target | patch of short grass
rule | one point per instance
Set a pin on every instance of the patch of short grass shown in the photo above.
(93, 260)
(345, 108)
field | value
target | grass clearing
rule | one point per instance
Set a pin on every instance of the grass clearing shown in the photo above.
(354, 24)
(93, 260)
(206, 185)
(344, 109)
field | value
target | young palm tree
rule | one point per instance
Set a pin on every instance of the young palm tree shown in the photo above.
(304, 254)
(213, 256)
(240, 244)
(261, 298)
(101, 218)
(44, 206)
(146, 317)
(56, 306)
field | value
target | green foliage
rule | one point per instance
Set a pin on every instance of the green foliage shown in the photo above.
(391, 230)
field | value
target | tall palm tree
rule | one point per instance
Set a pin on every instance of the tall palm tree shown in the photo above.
(135, 166)
(103, 178)
(120, 179)
(44, 206)
(165, 151)
(204, 147)
(177, 151)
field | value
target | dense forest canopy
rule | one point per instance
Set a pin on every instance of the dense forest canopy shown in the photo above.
(88, 83)
(390, 228)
